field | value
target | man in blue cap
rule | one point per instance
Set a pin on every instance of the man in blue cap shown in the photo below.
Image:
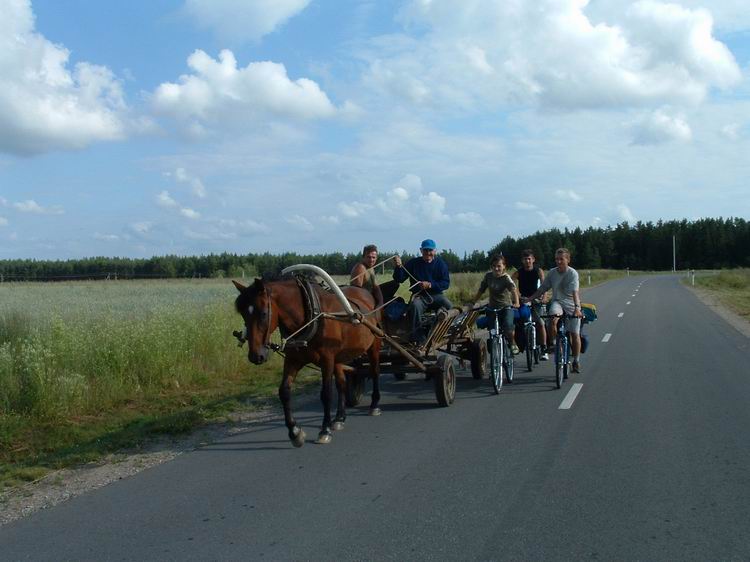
(430, 273)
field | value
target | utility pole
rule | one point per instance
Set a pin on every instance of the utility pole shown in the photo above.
(674, 254)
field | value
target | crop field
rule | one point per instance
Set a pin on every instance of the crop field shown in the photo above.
(87, 367)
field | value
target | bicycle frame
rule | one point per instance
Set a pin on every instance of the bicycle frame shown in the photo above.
(562, 349)
(499, 351)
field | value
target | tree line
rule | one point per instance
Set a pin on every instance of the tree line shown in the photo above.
(700, 244)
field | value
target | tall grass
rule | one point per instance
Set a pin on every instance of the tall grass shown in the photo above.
(732, 287)
(82, 353)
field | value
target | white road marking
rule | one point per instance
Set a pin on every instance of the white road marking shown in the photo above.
(627, 302)
(571, 397)
(606, 337)
(621, 315)
(632, 295)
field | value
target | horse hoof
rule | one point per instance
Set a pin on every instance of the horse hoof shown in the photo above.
(338, 426)
(324, 439)
(374, 412)
(299, 439)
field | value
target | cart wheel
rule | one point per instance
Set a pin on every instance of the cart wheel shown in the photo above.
(355, 387)
(478, 358)
(445, 380)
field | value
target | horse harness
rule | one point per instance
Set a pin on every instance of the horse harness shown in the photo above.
(311, 304)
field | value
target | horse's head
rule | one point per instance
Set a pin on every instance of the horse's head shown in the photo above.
(255, 306)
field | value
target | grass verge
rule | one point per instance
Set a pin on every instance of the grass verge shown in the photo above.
(730, 287)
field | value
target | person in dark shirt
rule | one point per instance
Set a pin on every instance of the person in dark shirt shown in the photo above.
(429, 274)
(529, 278)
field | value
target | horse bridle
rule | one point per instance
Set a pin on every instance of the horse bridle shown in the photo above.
(242, 336)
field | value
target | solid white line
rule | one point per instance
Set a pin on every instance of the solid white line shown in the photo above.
(606, 337)
(570, 398)
(621, 315)
(627, 302)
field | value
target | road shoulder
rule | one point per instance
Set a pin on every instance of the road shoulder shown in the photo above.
(708, 298)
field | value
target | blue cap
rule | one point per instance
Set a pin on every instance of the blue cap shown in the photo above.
(428, 245)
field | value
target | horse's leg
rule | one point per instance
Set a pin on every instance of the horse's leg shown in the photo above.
(338, 421)
(326, 394)
(373, 355)
(296, 435)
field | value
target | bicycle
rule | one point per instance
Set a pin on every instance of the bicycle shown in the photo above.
(501, 356)
(533, 350)
(562, 349)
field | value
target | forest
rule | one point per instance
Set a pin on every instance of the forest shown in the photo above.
(711, 243)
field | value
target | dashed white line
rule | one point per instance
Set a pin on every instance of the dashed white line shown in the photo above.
(606, 337)
(627, 302)
(632, 295)
(571, 397)
(621, 315)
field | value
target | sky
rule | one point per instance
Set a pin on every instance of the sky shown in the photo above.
(190, 127)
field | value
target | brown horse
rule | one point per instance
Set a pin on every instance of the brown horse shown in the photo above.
(266, 305)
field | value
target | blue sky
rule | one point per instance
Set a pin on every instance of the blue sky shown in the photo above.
(195, 126)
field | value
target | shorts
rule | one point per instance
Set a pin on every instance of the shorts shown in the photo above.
(572, 324)
(538, 309)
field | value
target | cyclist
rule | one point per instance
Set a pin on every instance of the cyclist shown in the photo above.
(563, 280)
(503, 293)
(363, 275)
(432, 274)
(528, 278)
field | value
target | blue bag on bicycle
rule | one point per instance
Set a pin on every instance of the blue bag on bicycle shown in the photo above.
(523, 313)
(584, 343)
(483, 322)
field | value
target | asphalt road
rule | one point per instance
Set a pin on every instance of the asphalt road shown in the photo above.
(650, 462)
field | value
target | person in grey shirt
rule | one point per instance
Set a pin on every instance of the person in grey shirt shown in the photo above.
(563, 280)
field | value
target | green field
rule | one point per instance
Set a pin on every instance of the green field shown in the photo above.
(90, 367)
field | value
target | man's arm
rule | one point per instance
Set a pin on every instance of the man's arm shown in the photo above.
(442, 280)
(399, 272)
(357, 275)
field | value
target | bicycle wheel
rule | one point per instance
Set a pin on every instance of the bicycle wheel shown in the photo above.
(496, 363)
(530, 347)
(559, 361)
(566, 365)
(508, 363)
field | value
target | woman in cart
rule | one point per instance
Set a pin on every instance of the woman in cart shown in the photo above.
(503, 295)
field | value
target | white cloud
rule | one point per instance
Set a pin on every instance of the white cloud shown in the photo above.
(554, 219)
(3, 221)
(658, 127)
(182, 176)
(567, 195)
(523, 206)
(300, 223)
(218, 93)
(551, 54)
(246, 226)
(141, 227)
(242, 20)
(165, 200)
(189, 213)
(44, 105)
(624, 214)
(470, 219)
(106, 237)
(731, 131)
(31, 206)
